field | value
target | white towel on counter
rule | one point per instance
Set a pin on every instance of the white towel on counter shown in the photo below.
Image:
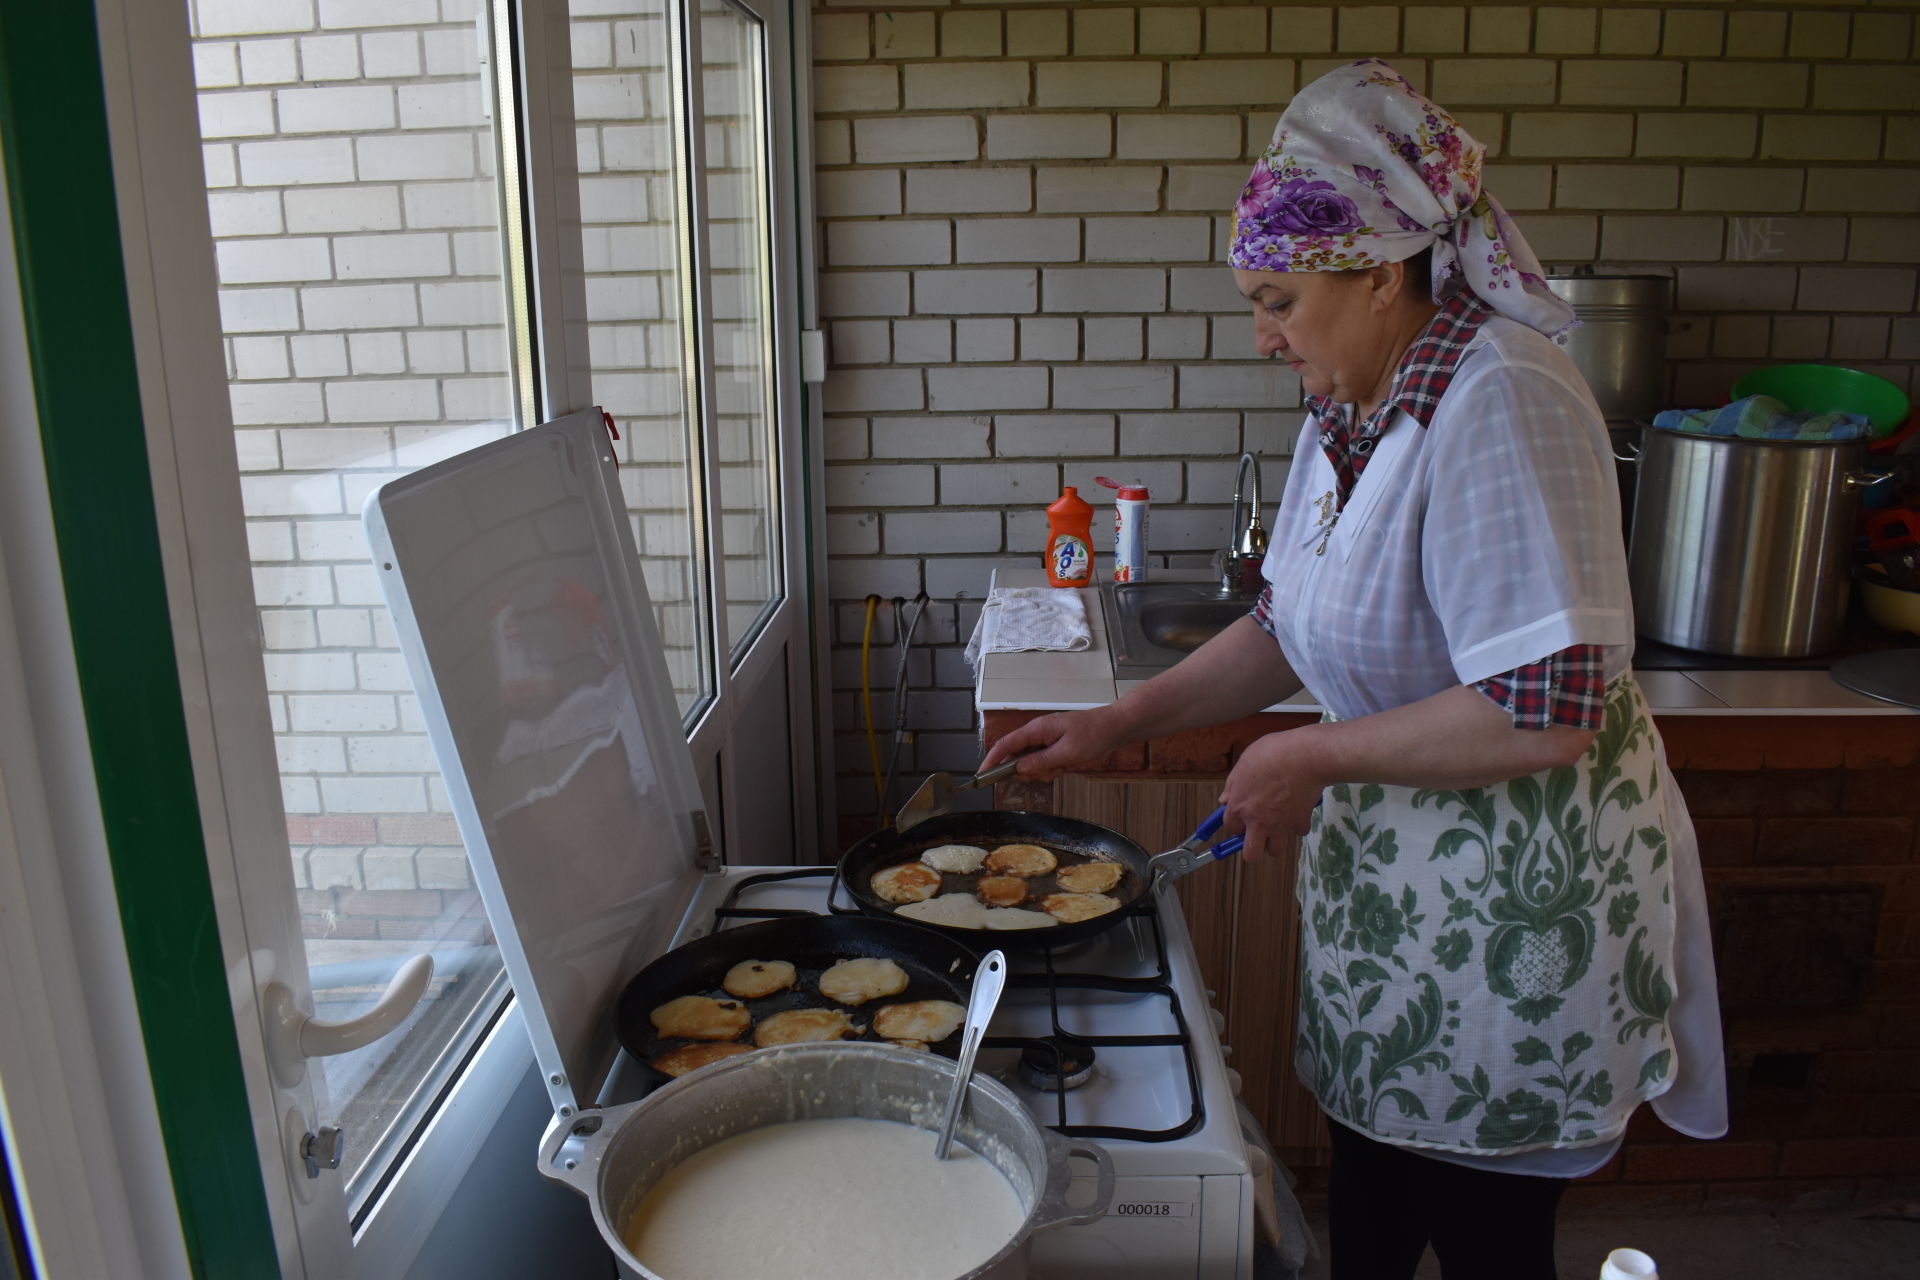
(1052, 619)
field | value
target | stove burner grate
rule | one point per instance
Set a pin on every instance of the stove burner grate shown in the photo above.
(1050, 980)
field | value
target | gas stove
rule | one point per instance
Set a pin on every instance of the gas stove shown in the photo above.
(1124, 1020)
(599, 752)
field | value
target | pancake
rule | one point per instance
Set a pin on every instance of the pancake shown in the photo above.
(925, 1020)
(1071, 908)
(796, 1026)
(692, 1057)
(751, 979)
(858, 981)
(700, 1018)
(1090, 877)
(960, 859)
(908, 882)
(1001, 891)
(955, 910)
(1004, 918)
(1021, 860)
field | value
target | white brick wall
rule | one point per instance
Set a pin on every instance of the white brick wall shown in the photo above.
(1083, 156)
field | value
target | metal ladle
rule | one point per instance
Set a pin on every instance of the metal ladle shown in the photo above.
(988, 981)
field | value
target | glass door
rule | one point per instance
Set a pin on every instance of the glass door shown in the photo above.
(368, 327)
(748, 267)
(417, 230)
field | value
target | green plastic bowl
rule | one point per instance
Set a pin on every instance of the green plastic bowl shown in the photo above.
(1829, 388)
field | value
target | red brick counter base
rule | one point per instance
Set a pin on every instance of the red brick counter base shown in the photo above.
(1790, 810)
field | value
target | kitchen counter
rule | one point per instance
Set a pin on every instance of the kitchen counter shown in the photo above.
(1075, 681)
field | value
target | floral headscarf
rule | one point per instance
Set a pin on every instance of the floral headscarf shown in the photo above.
(1363, 170)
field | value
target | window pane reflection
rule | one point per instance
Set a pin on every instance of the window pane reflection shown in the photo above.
(629, 155)
(738, 228)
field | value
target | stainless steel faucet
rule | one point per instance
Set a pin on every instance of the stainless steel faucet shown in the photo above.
(1246, 549)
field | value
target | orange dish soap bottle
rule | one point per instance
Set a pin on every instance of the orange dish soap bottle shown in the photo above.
(1070, 541)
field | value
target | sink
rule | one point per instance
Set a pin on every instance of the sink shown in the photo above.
(1152, 625)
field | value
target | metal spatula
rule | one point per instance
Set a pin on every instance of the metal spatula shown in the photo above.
(935, 795)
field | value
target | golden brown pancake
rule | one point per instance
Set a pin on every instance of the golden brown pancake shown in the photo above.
(1001, 891)
(751, 979)
(692, 1057)
(858, 981)
(1089, 877)
(908, 882)
(797, 1026)
(1021, 860)
(701, 1018)
(925, 1020)
(1071, 908)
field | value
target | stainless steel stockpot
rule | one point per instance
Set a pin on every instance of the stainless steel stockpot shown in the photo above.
(615, 1156)
(1620, 346)
(1742, 546)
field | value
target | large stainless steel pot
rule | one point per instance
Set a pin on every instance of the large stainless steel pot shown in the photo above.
(1741, 546)
(613, 1157)
(1620, 345)
(1620, 348)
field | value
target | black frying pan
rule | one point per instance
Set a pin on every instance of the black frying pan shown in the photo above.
(988, 828)
(937, 969)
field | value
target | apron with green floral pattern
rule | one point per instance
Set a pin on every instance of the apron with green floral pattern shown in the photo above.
(1487, 969)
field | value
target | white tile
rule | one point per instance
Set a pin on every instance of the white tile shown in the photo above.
(1669, 691)
(1088, 664)
(1045, 695)
(1773, 692)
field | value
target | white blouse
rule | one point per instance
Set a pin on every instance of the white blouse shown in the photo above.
(1485, 541)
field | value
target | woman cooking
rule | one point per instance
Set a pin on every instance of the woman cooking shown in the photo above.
(1504, 936)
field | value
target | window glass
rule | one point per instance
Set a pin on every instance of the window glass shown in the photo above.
(631, 156)
(733, 54)
(351, 183)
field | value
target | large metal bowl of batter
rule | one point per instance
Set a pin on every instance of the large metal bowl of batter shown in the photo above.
(613, 1157)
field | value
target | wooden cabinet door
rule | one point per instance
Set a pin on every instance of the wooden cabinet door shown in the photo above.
(1246, 929)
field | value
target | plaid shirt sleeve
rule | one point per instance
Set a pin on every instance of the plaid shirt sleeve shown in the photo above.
(1565, 688)
(1262, 614)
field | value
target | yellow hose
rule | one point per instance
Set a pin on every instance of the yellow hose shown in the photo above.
(866, 710)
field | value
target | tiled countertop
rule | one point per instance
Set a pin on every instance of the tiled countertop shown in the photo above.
(1073, 681)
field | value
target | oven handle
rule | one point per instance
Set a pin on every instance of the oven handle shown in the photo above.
(1053, 1209)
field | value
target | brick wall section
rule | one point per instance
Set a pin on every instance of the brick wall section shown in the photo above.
(1021, 212)
(1777, 802)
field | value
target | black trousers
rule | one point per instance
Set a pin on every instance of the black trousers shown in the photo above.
(1386, 1204)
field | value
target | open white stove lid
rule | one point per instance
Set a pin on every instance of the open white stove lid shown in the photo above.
(518, 600)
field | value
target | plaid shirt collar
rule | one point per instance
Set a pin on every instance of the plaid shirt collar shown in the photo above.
(1425, 371)
(1424, 374)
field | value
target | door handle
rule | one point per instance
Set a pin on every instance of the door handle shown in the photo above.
(294, 1035)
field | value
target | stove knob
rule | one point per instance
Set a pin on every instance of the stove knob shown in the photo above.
(1218, 1019)
(1233, 1081)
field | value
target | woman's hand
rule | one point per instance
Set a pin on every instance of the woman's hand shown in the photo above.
(1058, 743)
(1271, 792)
